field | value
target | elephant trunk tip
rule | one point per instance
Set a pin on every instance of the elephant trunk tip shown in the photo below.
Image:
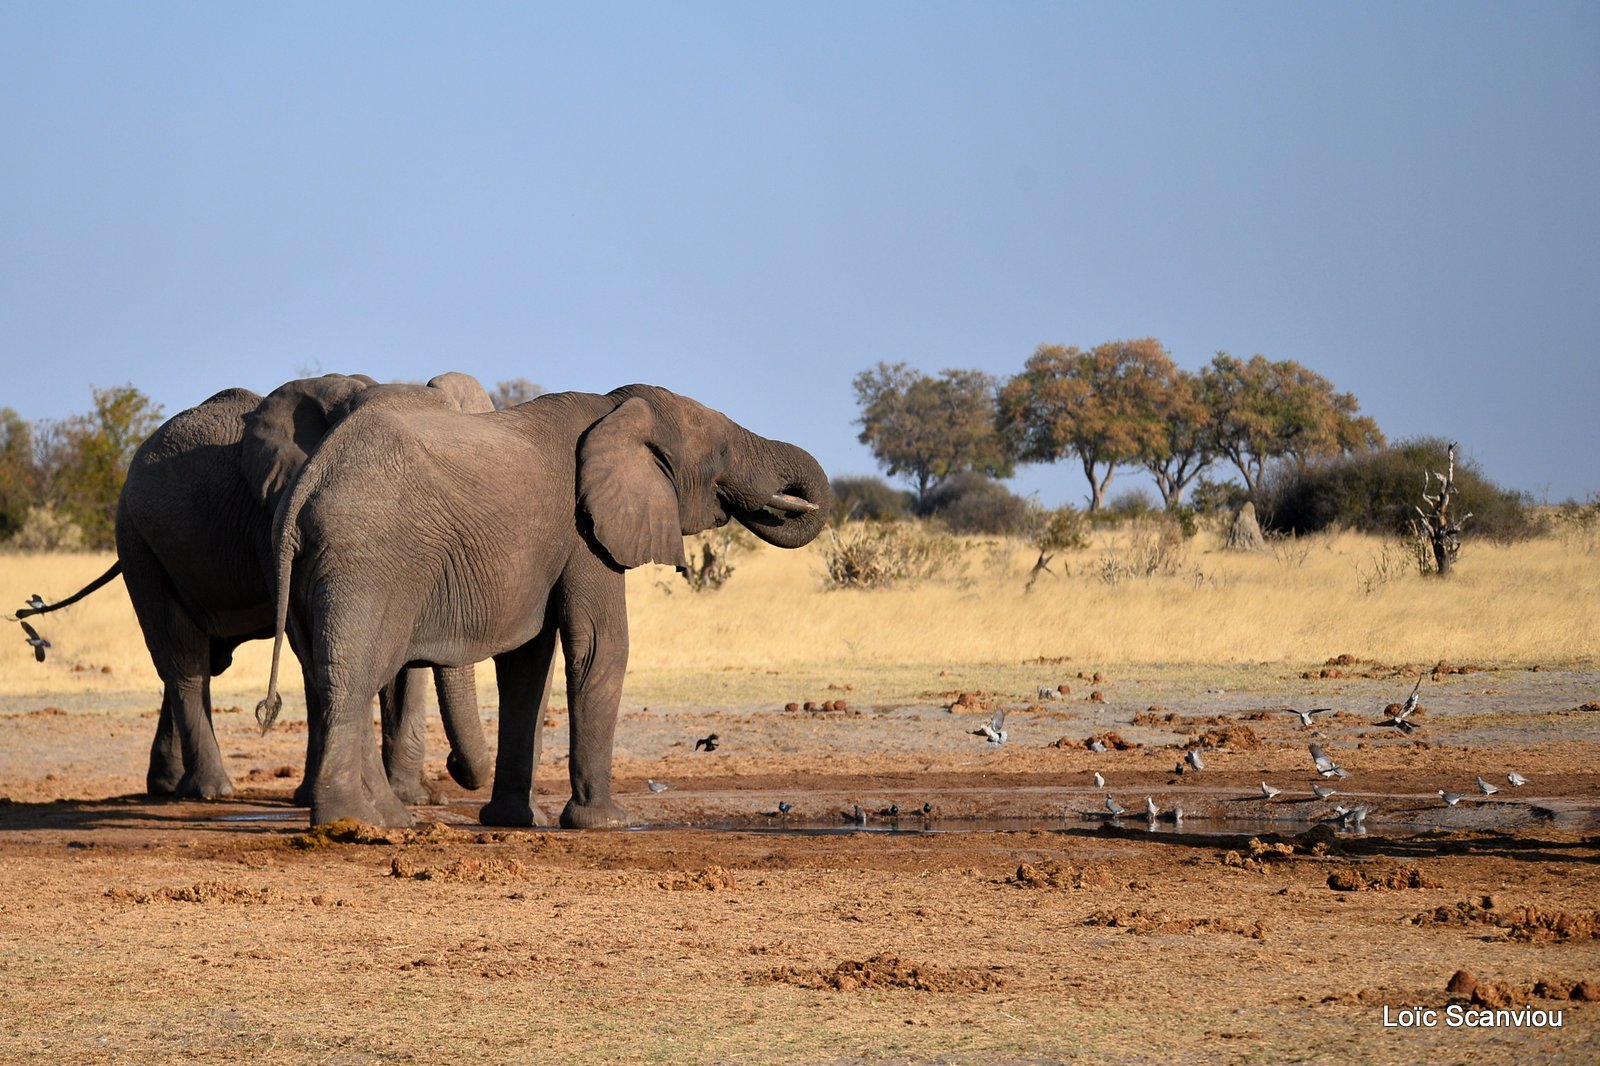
(267, 712)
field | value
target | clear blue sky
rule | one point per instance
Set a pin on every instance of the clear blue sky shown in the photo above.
(751, 202)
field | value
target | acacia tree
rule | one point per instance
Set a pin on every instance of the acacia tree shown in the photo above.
(510, 393)
(930, 429)
(1187, 445)
(88, 455)
(1105, 406)
(1263, 410)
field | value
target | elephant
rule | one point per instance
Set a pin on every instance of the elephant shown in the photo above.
(446, 538)
(193, 534)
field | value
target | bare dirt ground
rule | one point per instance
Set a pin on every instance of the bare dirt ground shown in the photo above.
(1014, 923)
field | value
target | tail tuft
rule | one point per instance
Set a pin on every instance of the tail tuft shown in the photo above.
(267, 712)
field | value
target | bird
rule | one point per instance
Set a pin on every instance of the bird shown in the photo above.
(1352, 817)
(857, 815)
(1150, 808)
(994, 728)
(656, 786)
(1194, 759)
(707, 742)
(36, 602)
(1322, 792)
(1326, 766)
(1305, 716)
(1099, 780)
(1486, 788)
(1516, 779)
(1097, 745)
(891, 811)
(38, 642)
(784, 806)
(1411, 701)
(1268, 791)
(927, 809)
(1117, 810)
(1401, 724)
(1177, 816)
(1451, 798)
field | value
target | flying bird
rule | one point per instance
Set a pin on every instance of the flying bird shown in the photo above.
(1194, 759)
(1451, 798)
(1322, 792)
(1305, 716)
(38, 642)
(994, 728)
(1268, 791)
(707, 742)
(1486, 788)
(1411, 702)
(36, 602)
(1326, 766)
(1516, 779)
(1117, 810)
(656, 786)
(1099, 781)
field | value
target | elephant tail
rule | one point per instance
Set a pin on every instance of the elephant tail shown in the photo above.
(285, 542)
(116, 568)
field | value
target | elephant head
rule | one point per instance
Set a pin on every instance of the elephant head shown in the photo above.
(661, 466)
(287, 426)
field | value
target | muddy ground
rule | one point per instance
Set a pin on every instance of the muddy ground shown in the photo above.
(1014, 923)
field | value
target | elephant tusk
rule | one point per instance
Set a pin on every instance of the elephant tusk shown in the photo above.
(793, 504)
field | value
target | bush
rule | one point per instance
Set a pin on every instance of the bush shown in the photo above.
(1378, 492)
(46, 530)
(873, 555)
(710, 554)
(1064, 529)
(973, 504)
(1217, 498)
(870, 498)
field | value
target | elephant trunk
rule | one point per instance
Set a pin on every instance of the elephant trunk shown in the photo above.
(468, 761)
(784, 497)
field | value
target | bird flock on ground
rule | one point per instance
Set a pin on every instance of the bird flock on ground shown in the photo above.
(994, 733)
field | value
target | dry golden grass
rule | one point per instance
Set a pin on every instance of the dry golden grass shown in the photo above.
(773, 633)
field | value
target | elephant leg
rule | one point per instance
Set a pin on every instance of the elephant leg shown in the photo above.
(594, 637)
(166, 751)
(403, 711)
(468, 761)
(523, 677)
(345, 770)
(204, 776)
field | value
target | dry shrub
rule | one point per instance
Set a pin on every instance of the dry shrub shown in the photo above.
(46, 530)
(875, 555)
(884, 971)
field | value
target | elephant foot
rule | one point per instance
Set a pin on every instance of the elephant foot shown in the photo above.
(415, 791)
(603, 815)
(162, 783)
(302, 794)
(466, 773)
(364, 811)
(206, 786)
(510, 812)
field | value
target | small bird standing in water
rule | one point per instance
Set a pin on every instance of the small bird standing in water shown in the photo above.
(1150, 808)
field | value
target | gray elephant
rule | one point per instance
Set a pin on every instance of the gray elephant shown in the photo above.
(193, 530)
(447, 539)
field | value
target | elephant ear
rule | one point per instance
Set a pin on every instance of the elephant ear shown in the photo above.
(624, 489)
(286, 427)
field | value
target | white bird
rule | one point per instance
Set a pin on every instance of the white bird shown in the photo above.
(1326, 766)
(1322, 792)
(1411, 702)
(36, 602)
(1305, 716)
(1451, 798)
(1268, 791)
(1117, 810)
(1097, 745)
(1099, 781)
(994, 728)
(1194, 759)
(1150, 808)
(1486, 788)
(1351, 818)
(656, 786)
(1516, 779)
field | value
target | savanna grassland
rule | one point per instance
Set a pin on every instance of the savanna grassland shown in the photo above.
(134, 930)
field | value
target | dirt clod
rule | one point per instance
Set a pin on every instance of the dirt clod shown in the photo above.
(885, 971)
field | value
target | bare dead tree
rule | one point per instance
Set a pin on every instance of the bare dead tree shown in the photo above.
(1440, 527)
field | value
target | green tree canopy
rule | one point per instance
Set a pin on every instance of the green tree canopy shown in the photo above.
(89, 456)
(19, 472)
(1107, 406)
(1263, 410)
(929, 429)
